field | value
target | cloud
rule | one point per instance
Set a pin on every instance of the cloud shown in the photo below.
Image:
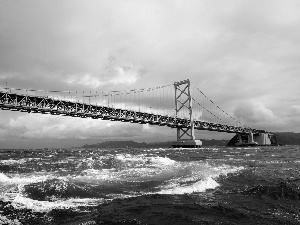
(86, 80)
(256, 113)
(37, 126)
(3, 77)
(241, 54)
(118, 76)
(296, 109)
(125, 75)
(59, 127)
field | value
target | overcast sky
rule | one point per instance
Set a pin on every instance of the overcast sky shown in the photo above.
(244, 55)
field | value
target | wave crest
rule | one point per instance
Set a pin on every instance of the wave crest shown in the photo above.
(54, 189)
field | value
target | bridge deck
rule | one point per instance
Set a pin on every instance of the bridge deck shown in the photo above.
(46, 105)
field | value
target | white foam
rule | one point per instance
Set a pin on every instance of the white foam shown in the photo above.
(134, 160)
(96, 176)
(199, 186)
(175, 177)
(12, 161)
(129, 168)
(200, 178)
(141, 168)
(162, 161)
(21, 202)
(5, 220)
(17, 179)
(12, 190)
(4, 178)
(109, 176)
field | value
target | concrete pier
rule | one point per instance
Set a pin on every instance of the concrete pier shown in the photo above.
(253, 139)
(263, 139)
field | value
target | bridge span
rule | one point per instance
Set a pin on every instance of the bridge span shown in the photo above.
(143, 106)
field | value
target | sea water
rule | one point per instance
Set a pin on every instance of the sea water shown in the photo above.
(217, 185)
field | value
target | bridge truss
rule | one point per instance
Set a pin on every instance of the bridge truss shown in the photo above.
(11, 99)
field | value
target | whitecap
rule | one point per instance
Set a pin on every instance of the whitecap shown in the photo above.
(4, 178)
(12, 161)
(199, 186)
(195, 177)
(5, 220)
(21, 202)
(17, 179)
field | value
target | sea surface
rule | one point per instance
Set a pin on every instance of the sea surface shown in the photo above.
(217, 185)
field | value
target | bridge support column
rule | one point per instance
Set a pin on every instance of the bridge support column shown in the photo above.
(263, 139)
(250, 138)
(243, 139)
(240, 139)
(185, 132)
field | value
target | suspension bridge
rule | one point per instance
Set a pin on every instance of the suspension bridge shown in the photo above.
(180, 105)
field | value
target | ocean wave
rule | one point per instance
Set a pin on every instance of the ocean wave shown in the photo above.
(120, 161)
(108, 177)
(24, 179)
(42, 195)
(126, 168)
(4, 178)
(9, 162)
(283, 190)
(54, 189)
(168, 176)
(22, 202)
(198, 177)
(199, 186)
(5, 220)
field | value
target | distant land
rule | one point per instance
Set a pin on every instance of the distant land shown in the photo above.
(133, 144)
(283, 138)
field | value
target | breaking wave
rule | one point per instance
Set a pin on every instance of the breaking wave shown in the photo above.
(51, 190)
(97, 179)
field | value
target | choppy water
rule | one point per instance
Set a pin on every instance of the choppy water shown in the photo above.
(151, 186)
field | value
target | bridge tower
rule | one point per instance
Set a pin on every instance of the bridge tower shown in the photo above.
(183, 101)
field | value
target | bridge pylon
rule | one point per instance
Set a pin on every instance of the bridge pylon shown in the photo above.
(183, 101)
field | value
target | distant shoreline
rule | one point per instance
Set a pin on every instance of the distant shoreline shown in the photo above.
(133, 144)
(283, 139)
